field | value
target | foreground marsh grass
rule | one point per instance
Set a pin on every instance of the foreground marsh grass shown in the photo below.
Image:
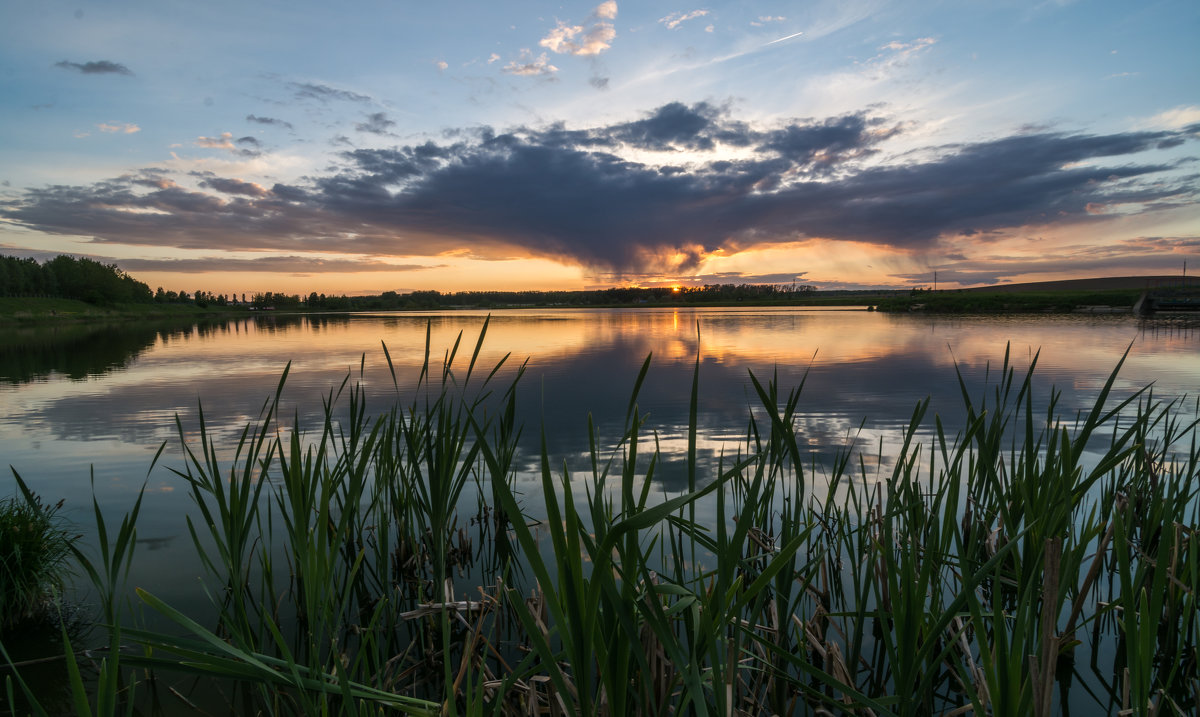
(34, 550)
(1025, 565)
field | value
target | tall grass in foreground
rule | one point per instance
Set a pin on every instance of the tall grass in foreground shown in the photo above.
(1028, 564)
(34, 548)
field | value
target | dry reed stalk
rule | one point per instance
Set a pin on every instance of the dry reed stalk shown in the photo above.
(436, 608)
(470, 645)
(841, 673)
(978, 679)
(1043, 677)
(541, 690)
(730, 672)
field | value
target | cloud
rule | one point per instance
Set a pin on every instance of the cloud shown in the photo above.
(268, 264)
(766, 19)
(377, 123)
(494, 57)
(269, 121)
(697, 280)
(442, 65)
(592, 39)
(1167, 245)
(676, 19)
(1177, 118)
(152, 177)
(225, 141)
(325, 93)
(235, 186)
(526, 65)
(909, 48)
(115, 128)
(592, 197)
(98, 67)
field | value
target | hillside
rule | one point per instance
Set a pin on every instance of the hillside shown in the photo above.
(1109, 283)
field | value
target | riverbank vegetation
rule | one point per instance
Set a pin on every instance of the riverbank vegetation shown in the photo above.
(998, 302)
(411, 561)
(67, 277)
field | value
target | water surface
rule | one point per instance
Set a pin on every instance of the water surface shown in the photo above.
(85, 409)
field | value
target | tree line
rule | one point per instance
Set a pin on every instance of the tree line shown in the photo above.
(96, 283)
(429, 299)
(68, 277)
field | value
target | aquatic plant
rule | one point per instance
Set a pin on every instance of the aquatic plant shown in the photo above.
(34, 547)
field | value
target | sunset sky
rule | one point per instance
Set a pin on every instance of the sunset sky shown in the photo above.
(372, 146)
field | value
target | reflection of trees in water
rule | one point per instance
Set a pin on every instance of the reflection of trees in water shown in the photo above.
(79, 351)
(76, 352)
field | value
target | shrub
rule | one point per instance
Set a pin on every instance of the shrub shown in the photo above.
(33, 556)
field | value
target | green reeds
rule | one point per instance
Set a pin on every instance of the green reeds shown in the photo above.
(34, 547)
(1023, 563)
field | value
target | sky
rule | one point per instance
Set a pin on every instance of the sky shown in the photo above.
(356, 148)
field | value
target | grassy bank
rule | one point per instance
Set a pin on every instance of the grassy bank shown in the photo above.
(403, 562)
(984, 302)
(25, 310)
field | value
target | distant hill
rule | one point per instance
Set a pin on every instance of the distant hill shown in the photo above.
(1108, 283)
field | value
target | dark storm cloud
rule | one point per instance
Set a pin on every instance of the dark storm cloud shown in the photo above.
(393, 165)
(268, 121)
(673, 126)
(324, 93)
(784, 279)
(377, 123)
(575, 195)
(98, 67)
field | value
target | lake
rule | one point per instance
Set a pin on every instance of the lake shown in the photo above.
(99, 401)
(86, 408)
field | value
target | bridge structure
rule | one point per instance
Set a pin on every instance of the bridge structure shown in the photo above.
(1167, 295)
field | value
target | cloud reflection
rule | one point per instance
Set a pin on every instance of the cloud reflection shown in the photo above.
(869, 371)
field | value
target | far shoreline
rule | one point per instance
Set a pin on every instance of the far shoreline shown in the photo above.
(1092, 295)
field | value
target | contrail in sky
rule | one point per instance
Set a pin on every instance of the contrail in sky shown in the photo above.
(772, 42)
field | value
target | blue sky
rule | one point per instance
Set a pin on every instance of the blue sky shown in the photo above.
(376, 146)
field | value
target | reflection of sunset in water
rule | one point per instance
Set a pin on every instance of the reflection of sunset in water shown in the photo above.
(869, 372)
(221, 364)
(866, 366)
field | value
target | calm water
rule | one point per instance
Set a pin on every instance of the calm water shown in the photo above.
(96, 401)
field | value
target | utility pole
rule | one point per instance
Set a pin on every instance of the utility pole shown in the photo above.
(935, 276)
